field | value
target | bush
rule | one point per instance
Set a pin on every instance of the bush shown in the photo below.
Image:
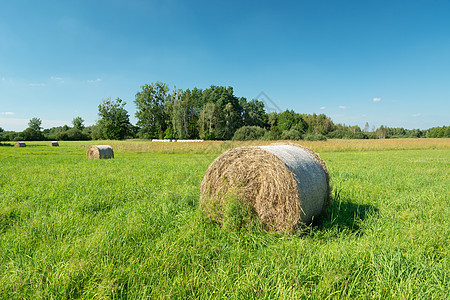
(247, 133)
(337, 134)
(168, 133)
(60, 136)
(9, 136)
(75, 134)
(209, 136)
(356, 135)
(273, 134)
(315, 137)
(31, 134)
(291, 134)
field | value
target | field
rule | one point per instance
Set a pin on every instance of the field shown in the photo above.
(130, 227)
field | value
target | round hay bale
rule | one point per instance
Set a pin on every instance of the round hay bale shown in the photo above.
(285, 184)
(54, 144)
(20, 144)
(100, 152)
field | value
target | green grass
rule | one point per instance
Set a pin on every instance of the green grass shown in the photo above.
(130, 228)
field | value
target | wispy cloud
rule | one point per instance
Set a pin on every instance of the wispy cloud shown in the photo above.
(323, 107)
(342, 106)
(57, 78)
(20, 124)
(3, 78)
(37, 84)
(376, 99)
(416, 115)
(95, 80)
(7, 113)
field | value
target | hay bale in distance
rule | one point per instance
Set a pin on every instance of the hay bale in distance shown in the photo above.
(54, 144)
(19, 144)
(100, 152)
(285, 185)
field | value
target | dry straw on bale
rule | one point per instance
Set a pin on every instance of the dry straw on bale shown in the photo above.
(285, 184)
(100, 152)
(19, 144)
(54, 144)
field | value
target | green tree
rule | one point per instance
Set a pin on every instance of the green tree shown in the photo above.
(287, 119)
(366, 127)
(35, 124)
(31, 134)
(354, 129)
(319, 124)
(253, 113)
(207, 121)
(185, 112)
(230, 121)
(180, 115)
(272, 119)
(381, 132)
(151, 112)
(78, 123)
(228, 111)
(438, 132)
(114, 120)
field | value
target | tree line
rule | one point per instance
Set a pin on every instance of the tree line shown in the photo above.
(215, 113)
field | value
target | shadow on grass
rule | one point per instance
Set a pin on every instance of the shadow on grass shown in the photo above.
(6, 145)
(344, 215)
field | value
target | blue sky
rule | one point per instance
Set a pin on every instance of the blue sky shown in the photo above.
(382, 62)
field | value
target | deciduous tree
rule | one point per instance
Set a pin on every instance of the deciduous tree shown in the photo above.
(78, 123)
(35, 124)
(114, 120)
(151, 112)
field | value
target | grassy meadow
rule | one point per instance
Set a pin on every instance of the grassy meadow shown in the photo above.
(130, 227)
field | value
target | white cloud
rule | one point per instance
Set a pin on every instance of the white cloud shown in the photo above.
(57, 78)
(20, 124)
(416, 115)
(54, 123)
(376, 99)
(37, 84)
(342, 106)
(96, 80)
(323, 107)
(6, 113)
(13, 124)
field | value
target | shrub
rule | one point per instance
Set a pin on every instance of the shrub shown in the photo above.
(273, 134)
(247, 133)
(291, 134)
(75, 134)
(337, 134)
(315, 137)
(31, 134)
(62, 136)
(356, 135)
